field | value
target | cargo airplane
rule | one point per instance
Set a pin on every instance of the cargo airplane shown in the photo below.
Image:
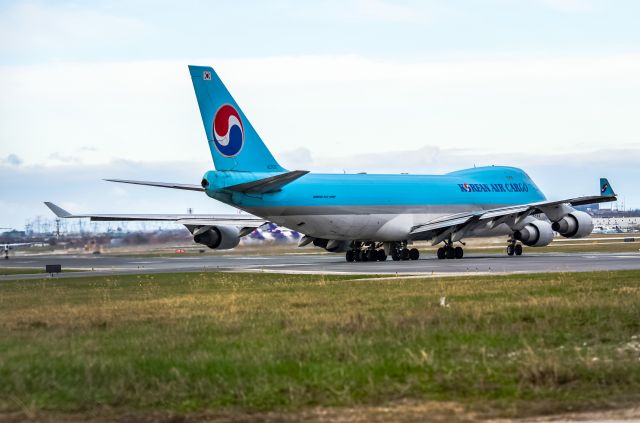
(365, 216)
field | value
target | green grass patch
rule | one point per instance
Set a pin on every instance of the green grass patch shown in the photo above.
(19, 270)
(214, 341)
(28, 270)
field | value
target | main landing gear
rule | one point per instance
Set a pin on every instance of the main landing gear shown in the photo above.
(400, 252)
(449, 251)
(365, 255)
(374, 251)
(514, 248)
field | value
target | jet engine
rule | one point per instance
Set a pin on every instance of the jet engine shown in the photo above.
(219, 237)
(576, 224)
(337, 246)
(332, 246)
(538, 233)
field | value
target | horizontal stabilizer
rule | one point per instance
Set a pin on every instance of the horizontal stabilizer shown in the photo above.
(189, 187)
(268, 185)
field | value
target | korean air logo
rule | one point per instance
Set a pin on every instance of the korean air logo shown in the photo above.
(228, 131)
(466, 187)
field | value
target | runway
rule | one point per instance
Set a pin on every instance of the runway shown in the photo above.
(326, 264)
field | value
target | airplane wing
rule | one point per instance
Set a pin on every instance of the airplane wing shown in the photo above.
(441, 228)
(190, 220)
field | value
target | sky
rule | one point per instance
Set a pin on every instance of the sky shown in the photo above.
(92, 90)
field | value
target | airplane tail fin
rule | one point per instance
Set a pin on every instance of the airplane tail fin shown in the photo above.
(605, 188)
(233, 142)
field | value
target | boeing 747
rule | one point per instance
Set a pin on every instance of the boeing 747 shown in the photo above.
(367, 217)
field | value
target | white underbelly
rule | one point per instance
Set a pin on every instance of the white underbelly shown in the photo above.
(378, 227)
(370, 227)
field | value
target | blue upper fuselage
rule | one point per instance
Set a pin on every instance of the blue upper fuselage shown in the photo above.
(485, 187)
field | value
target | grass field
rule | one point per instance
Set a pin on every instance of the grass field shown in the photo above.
(26, 270)
(193, 343)
(19, 270)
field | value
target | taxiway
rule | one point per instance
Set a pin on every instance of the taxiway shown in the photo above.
(326, 264)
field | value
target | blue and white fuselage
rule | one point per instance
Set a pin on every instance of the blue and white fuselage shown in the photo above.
(377, 207)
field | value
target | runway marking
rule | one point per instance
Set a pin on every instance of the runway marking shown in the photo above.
(248, 258)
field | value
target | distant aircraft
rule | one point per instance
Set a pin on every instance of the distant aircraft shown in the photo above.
(368, 217)
(6, 248)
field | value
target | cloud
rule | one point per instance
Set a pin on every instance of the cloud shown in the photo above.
(387, 11)
(359, 12)
(40, 26)
(348, 104)
(12, 160)
(61, 158)
(298, 158)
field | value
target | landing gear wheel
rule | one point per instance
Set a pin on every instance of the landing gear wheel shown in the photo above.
(458, 252)
(350, 256)
(363, 256)
(381, 255)
(414, 254)
(518, 250)
(404, 254)
(395, 255)
(357, 255)
(510, 250)
(451, 252)
(441, 253)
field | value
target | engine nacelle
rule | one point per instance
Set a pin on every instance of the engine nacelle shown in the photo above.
(538, 233)
(319, 242)
(219, 237)
(576, 224)
(332, 245)
(337, 246)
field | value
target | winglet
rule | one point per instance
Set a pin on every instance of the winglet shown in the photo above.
(605, 188)
(58, 211)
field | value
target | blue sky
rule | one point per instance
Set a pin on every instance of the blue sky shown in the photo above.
(100, 89)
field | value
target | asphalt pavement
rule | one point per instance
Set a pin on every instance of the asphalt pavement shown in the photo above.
(325, 264)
